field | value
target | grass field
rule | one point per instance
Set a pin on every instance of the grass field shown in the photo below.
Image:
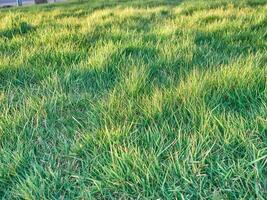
(134, 100)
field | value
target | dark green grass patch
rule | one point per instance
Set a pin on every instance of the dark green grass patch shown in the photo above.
(134, 100)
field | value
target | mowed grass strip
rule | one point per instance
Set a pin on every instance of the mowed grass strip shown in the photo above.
(134, 100)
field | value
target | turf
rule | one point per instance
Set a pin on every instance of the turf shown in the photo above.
(134, 100)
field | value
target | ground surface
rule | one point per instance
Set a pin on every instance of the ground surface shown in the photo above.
(4, 3)
(141, 99)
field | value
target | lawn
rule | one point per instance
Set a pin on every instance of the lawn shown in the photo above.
(134, 100)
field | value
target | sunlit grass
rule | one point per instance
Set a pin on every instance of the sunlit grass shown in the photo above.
(134, 100)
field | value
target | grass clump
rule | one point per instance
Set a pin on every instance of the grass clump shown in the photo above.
(134, 100)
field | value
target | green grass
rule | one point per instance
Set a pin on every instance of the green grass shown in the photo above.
(134, 100)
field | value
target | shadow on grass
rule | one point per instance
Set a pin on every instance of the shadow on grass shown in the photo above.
(22, 28)
(20, 77)
(40, 67)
